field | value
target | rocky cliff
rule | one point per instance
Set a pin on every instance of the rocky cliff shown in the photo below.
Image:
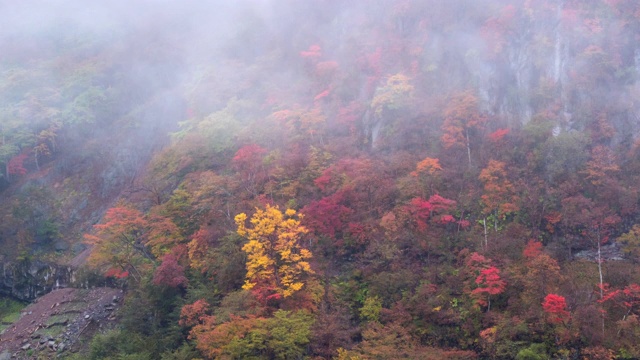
(26, 280)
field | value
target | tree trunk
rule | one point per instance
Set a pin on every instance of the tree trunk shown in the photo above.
(6, 164)
(466, 131)
(600, 273)
(486, 243)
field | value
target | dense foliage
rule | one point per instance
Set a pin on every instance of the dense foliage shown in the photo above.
(346, 180)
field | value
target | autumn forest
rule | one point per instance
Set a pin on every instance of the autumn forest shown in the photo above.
(327, 179)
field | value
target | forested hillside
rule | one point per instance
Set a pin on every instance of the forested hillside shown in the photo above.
(329, 179)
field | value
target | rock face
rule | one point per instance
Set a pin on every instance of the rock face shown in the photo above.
(608, 252)
(26, 280)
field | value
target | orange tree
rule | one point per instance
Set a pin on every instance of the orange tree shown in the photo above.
(127, 240)
(462, 120)
(118, 242)
(499, 196)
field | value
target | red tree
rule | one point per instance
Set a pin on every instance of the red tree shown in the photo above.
(627, 298)
(436, 209)
(16, 165)
(533, 249)
(170, 273)
(248, 157)
(489, 283)
(248, 162)
(327, 216)
(556, 307)
(194, 314)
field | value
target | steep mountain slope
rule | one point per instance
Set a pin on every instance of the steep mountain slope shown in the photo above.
(330, 179)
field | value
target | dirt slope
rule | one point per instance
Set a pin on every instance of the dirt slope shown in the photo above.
(57, 321)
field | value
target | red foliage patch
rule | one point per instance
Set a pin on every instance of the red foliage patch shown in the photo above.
(193, 314)
(490, 282)
(533, 249)
(498, 135)
(248, 155)
(116, 273)
(321, 95)
(314, 52)
(327, 216)
(556, 306)
(169, 273)
(323, 180)
(16, 165)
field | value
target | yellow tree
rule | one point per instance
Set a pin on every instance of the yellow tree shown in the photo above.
(276, 262)
(388, 102)
(631, 243)
(303, 124)
(396, 93)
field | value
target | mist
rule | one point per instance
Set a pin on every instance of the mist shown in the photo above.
(419, 147)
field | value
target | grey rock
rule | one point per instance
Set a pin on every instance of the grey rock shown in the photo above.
(61, 246)
(78, 248)
(608, 252)
(27, 280)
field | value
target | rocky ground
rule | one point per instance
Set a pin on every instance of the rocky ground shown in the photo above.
(58, 322)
